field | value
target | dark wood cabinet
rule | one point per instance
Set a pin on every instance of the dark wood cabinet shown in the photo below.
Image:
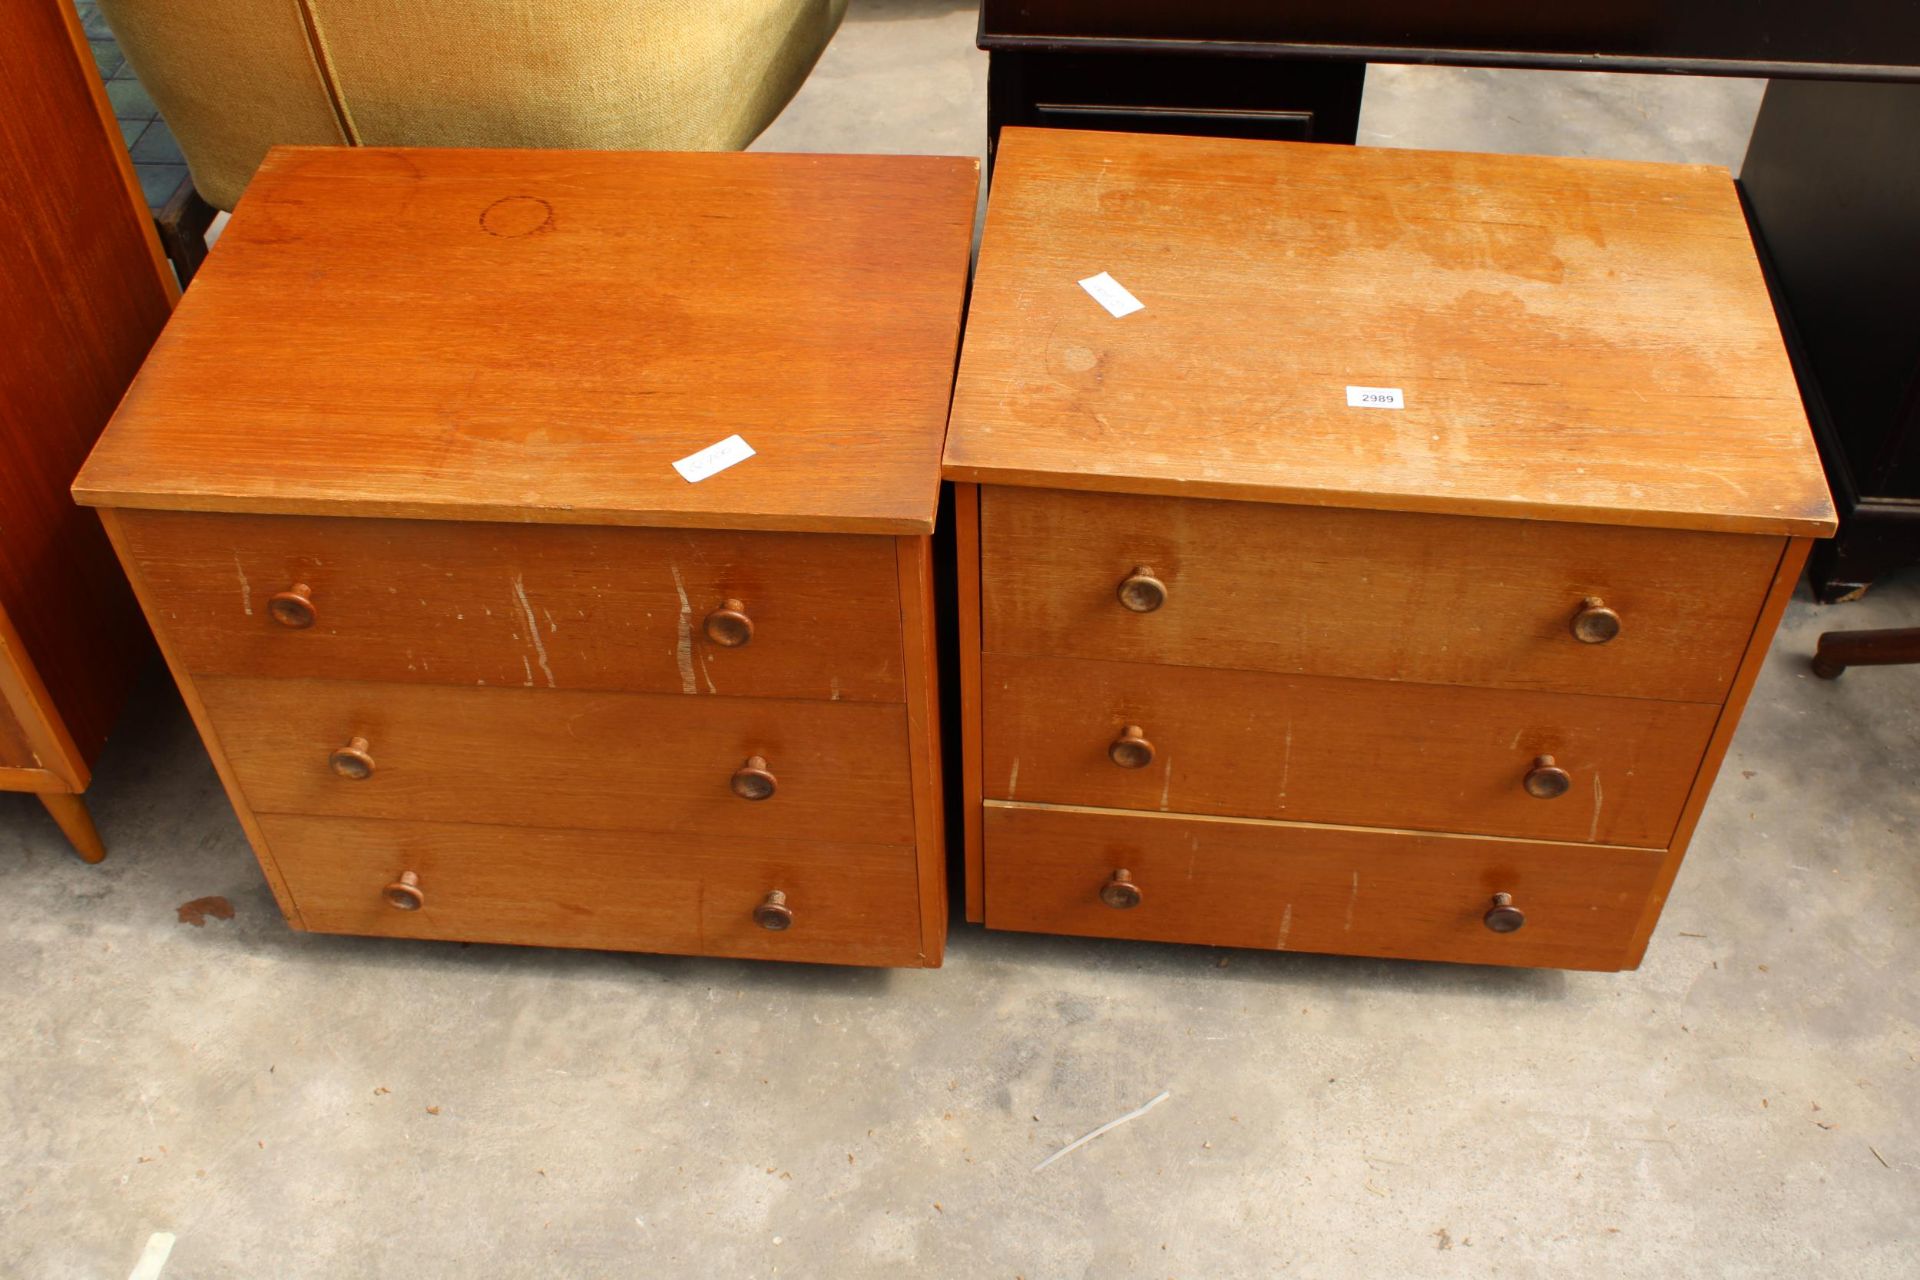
(1175, 92)
(1832, 182)
(85, 293)
(1843, 38)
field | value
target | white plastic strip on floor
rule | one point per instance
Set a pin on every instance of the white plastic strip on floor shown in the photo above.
(1115, 1123)
(153, 1257)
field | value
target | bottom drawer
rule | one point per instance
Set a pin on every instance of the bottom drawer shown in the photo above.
(850, 904)
(1292, 887)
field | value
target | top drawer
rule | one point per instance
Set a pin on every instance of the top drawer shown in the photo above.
(541, 606)
(1368, 594)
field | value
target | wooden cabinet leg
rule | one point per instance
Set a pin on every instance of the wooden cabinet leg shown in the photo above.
(1839, 650)
(76, 824)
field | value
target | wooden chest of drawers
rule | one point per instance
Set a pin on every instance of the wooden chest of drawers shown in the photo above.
(1250, 659)
(475, 661)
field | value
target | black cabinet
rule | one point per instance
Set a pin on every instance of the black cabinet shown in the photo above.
(1832, 183)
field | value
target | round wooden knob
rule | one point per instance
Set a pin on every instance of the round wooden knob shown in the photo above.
(352, 761)
(1594, 623)
(1503, 916)
(1120, 892)
(1547, 780)
(729, 625)
(752, 781)
(1141, 592)
(404, 894)
(1131, 750)
(293, 608)
(773, 912)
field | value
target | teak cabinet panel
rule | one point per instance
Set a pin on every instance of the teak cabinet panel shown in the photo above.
(15, 753)
(1370, 594)
(1580, 341)
(545, 606)
(537, 335)
(547, 758)
(84, 290)
(1429, 757)
(851, 904)
(1281, 886)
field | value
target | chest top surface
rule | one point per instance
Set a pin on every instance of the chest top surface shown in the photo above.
(540, 335)
(1571, 339)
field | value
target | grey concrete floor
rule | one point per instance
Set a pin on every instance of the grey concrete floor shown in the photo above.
(1747, 1104)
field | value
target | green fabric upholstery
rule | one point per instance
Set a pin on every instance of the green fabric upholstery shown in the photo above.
(234, 77)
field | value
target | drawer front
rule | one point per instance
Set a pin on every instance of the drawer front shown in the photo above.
(850, 904)
(637, 762)
(1288, 887)
(539, 606)
(1368, 752)
(1373, 595)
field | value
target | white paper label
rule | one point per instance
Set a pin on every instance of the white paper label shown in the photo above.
(1112, 295)
(1375, 398)
(713, 459)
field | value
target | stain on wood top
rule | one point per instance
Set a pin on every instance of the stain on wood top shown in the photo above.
(1575, 339)
(531, 335)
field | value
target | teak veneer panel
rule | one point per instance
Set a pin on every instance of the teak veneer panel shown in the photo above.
(551, 758)
(15, 751)
(852, 904)
(1288, 887)
(1367, 752)
(538, 335)
(966, 542)
(83, 291)
(1577, 340)
(542, 606)
(918, 619)
(1793, 560)
(1369, 594)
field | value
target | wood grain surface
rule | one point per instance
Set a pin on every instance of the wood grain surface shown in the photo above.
(1289, 887)
(1367, 752)
(85, 290)
(546, 758)
(110, 520)
(539, 335)
(48, 744)
(917, 621)
(537, 606)
(966, 540)
(15, 751)
(1375, 595)
(1786, 578)
(1579, 340)
(851, 903)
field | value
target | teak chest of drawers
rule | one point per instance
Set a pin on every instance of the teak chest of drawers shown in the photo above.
(1392, 582)
(396, 490)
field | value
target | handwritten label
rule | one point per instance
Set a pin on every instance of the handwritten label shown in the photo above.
(1112, 295)
(713, 459)
(1375, 398)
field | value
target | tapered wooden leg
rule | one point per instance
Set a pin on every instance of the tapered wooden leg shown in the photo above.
(75, 823)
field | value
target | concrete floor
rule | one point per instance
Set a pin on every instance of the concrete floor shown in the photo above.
(1747, 1104)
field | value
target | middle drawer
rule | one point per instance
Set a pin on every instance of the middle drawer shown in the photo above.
(1321, 749)
(525, 757)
